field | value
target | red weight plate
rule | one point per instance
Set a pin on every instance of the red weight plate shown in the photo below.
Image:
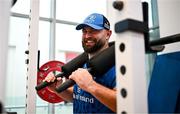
(46, 68)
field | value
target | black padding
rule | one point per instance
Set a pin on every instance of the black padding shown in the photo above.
(103, 61)
(75, 63)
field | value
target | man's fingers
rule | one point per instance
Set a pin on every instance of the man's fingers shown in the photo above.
(50, 77)
(59, 79)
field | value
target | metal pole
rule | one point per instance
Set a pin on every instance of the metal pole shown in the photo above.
(32, 56)
(165, 40)
(130, 62)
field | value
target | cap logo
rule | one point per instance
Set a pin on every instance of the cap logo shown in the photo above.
(91, 19)
(106, 25)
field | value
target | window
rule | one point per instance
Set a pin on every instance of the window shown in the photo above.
(76, 10)
(16, 76)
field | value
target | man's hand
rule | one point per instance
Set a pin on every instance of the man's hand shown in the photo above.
(51, 78)
(82, 78)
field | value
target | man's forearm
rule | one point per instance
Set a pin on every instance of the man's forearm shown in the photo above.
(104, 95)
(66, 95)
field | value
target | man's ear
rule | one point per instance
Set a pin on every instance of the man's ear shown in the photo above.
(109, 34)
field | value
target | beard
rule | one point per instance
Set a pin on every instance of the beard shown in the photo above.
(98, 44)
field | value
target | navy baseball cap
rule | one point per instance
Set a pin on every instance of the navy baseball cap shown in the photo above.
(96, 21)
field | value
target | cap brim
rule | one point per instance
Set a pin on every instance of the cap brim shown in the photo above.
(81, 26)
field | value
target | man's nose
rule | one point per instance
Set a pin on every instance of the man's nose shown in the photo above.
(87, 35)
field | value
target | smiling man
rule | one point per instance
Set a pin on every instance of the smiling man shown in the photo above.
(91, 94)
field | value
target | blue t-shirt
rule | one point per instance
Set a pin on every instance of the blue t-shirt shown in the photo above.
(84, 102)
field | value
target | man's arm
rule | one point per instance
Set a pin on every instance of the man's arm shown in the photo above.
(105, 95)
(66, 95)
(85, 81)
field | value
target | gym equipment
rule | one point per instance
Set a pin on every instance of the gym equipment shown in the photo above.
(44, 70)
(163, 90)
(97, 65)
(130, 79)
(94, 63)
(148, 47)
(67, 69)
(166, 40)
(30, 106)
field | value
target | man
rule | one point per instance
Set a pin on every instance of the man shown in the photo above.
(91, 94)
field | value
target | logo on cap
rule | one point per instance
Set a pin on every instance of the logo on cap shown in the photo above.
(106, 25)
(91, 19)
